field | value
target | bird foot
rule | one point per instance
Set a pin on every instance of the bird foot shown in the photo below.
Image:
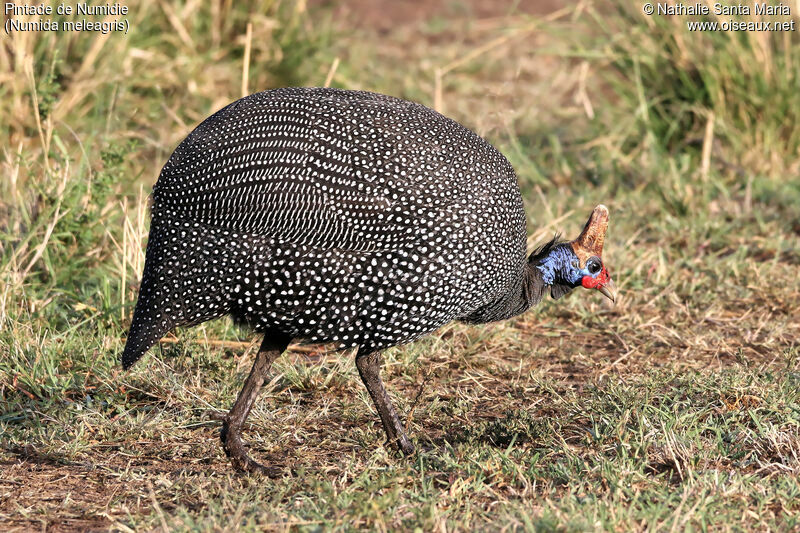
(243, 463)
(403, 444)
(234, 449)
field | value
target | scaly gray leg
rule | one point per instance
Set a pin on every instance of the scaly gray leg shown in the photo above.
(369, 368)
(274, 345)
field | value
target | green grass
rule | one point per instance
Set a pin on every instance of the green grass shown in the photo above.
(676, 409)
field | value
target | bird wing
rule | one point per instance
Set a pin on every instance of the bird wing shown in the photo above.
(333, 169)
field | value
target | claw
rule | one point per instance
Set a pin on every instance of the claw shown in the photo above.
(234, 449)
(403, 444)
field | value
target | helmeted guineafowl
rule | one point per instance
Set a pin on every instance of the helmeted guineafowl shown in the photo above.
(346, 217)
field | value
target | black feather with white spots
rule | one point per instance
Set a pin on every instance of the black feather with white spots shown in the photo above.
(333, 216)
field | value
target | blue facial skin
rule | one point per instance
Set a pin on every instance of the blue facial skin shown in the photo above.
(561, 266)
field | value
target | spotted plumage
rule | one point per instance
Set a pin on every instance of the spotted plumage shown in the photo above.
(348, 217)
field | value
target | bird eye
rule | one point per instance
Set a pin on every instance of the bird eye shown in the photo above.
(593, 265)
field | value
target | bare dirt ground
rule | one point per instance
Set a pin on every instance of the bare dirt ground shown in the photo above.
(385, 16)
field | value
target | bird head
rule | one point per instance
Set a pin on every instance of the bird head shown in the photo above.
(567, 265)
(588, 249)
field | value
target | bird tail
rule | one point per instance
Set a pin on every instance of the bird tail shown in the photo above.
(164, 302)
(149, 323)
(152, 319)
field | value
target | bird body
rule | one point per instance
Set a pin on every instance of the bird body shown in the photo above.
(336, 216)
(350, 217)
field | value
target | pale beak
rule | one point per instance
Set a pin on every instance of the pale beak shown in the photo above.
(609, 290)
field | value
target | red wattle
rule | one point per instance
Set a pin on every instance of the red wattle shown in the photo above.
(592, 283)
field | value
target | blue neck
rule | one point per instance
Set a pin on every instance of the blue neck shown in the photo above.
(560, 266)
(548, 270)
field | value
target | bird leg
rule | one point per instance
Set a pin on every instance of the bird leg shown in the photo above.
(369, 368)
(272, 347)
